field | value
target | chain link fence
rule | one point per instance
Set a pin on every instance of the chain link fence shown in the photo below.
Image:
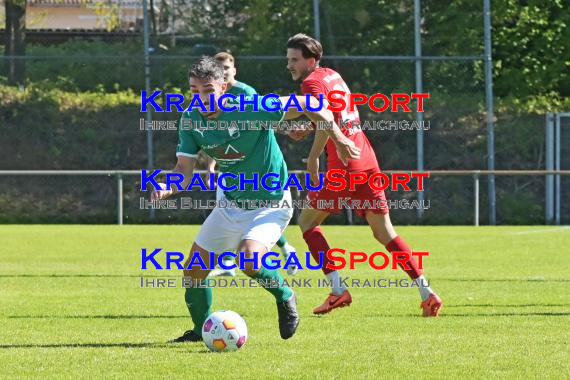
(80, 109)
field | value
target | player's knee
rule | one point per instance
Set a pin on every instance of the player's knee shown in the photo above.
(306, 222)
(381, 226)
(384, 233)
(249, 269)
(189, 273)
(194, 272)
(380, 236)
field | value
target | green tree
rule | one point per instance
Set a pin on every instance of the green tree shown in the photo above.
(15, 41)
(531, 48)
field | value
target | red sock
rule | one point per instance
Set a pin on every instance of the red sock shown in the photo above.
(399, 245)
(317, 243)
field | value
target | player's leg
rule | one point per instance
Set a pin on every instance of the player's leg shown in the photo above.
(198, 299)
(218, 233)
(282, 241)
(309, 222)
(228, 261)
(284, 296)
(281, 293)
(386, 235)
(287, 249)
(264, 228)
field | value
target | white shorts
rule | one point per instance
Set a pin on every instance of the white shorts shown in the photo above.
(225, 228)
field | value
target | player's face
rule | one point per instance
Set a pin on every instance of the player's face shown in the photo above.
(229, 71)
(203, 88)
(298, 66)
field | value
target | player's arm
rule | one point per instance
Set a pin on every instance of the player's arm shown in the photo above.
(300, 133)
(211, 166)
(187, 154)
(319, 143)
(344, 146)
(314, 88)
(184, 166)
(321, 139)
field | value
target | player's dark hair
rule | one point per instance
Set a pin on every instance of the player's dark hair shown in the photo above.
(207, 68)
(310, 48)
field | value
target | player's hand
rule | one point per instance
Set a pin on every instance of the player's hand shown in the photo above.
(159, 193)
(313, 169)
(347, 150)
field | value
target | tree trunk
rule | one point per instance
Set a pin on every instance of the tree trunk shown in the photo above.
(15, 41)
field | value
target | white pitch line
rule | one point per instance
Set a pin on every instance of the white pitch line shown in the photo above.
(540, 231)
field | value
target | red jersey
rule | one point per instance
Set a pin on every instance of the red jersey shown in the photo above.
(322, 81)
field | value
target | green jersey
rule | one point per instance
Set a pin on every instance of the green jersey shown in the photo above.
(238, 148)
(241, 88)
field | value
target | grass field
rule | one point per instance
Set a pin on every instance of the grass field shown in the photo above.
(72, 307)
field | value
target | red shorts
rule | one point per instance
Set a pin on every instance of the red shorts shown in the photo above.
(363, 199)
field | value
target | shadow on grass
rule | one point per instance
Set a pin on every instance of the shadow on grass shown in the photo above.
(87, 345)
(511, 305)
(99, 316)
(512, 314)
(203, 349)
(443, 314)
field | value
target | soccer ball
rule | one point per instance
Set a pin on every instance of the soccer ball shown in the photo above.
(224, 331)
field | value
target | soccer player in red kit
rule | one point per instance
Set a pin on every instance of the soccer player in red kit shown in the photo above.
(303, 55)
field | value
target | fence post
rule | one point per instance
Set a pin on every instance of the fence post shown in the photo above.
(489, 109)
(119, 199)
(549, 198)
(557, 167)
(419, 90)
(476, 196)
(149, 141)
(317, 19)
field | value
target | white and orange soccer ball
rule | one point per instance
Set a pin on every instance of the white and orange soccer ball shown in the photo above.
(224, 331)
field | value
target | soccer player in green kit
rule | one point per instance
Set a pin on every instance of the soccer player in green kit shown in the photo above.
(237, 151)
(236, 88)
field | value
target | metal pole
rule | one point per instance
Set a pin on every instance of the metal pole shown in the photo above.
(549, 166)
(557, 167)
(119, 199)
(419, 90)
(476, 196)
(317, 19)
(172, 22)
(149, 144)
(489, 107)
(317, 26)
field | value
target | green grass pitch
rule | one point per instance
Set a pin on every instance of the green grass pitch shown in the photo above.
(72, 307)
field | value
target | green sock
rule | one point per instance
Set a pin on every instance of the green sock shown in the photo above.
(282, 241)
(198, 301)
(281, 293)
